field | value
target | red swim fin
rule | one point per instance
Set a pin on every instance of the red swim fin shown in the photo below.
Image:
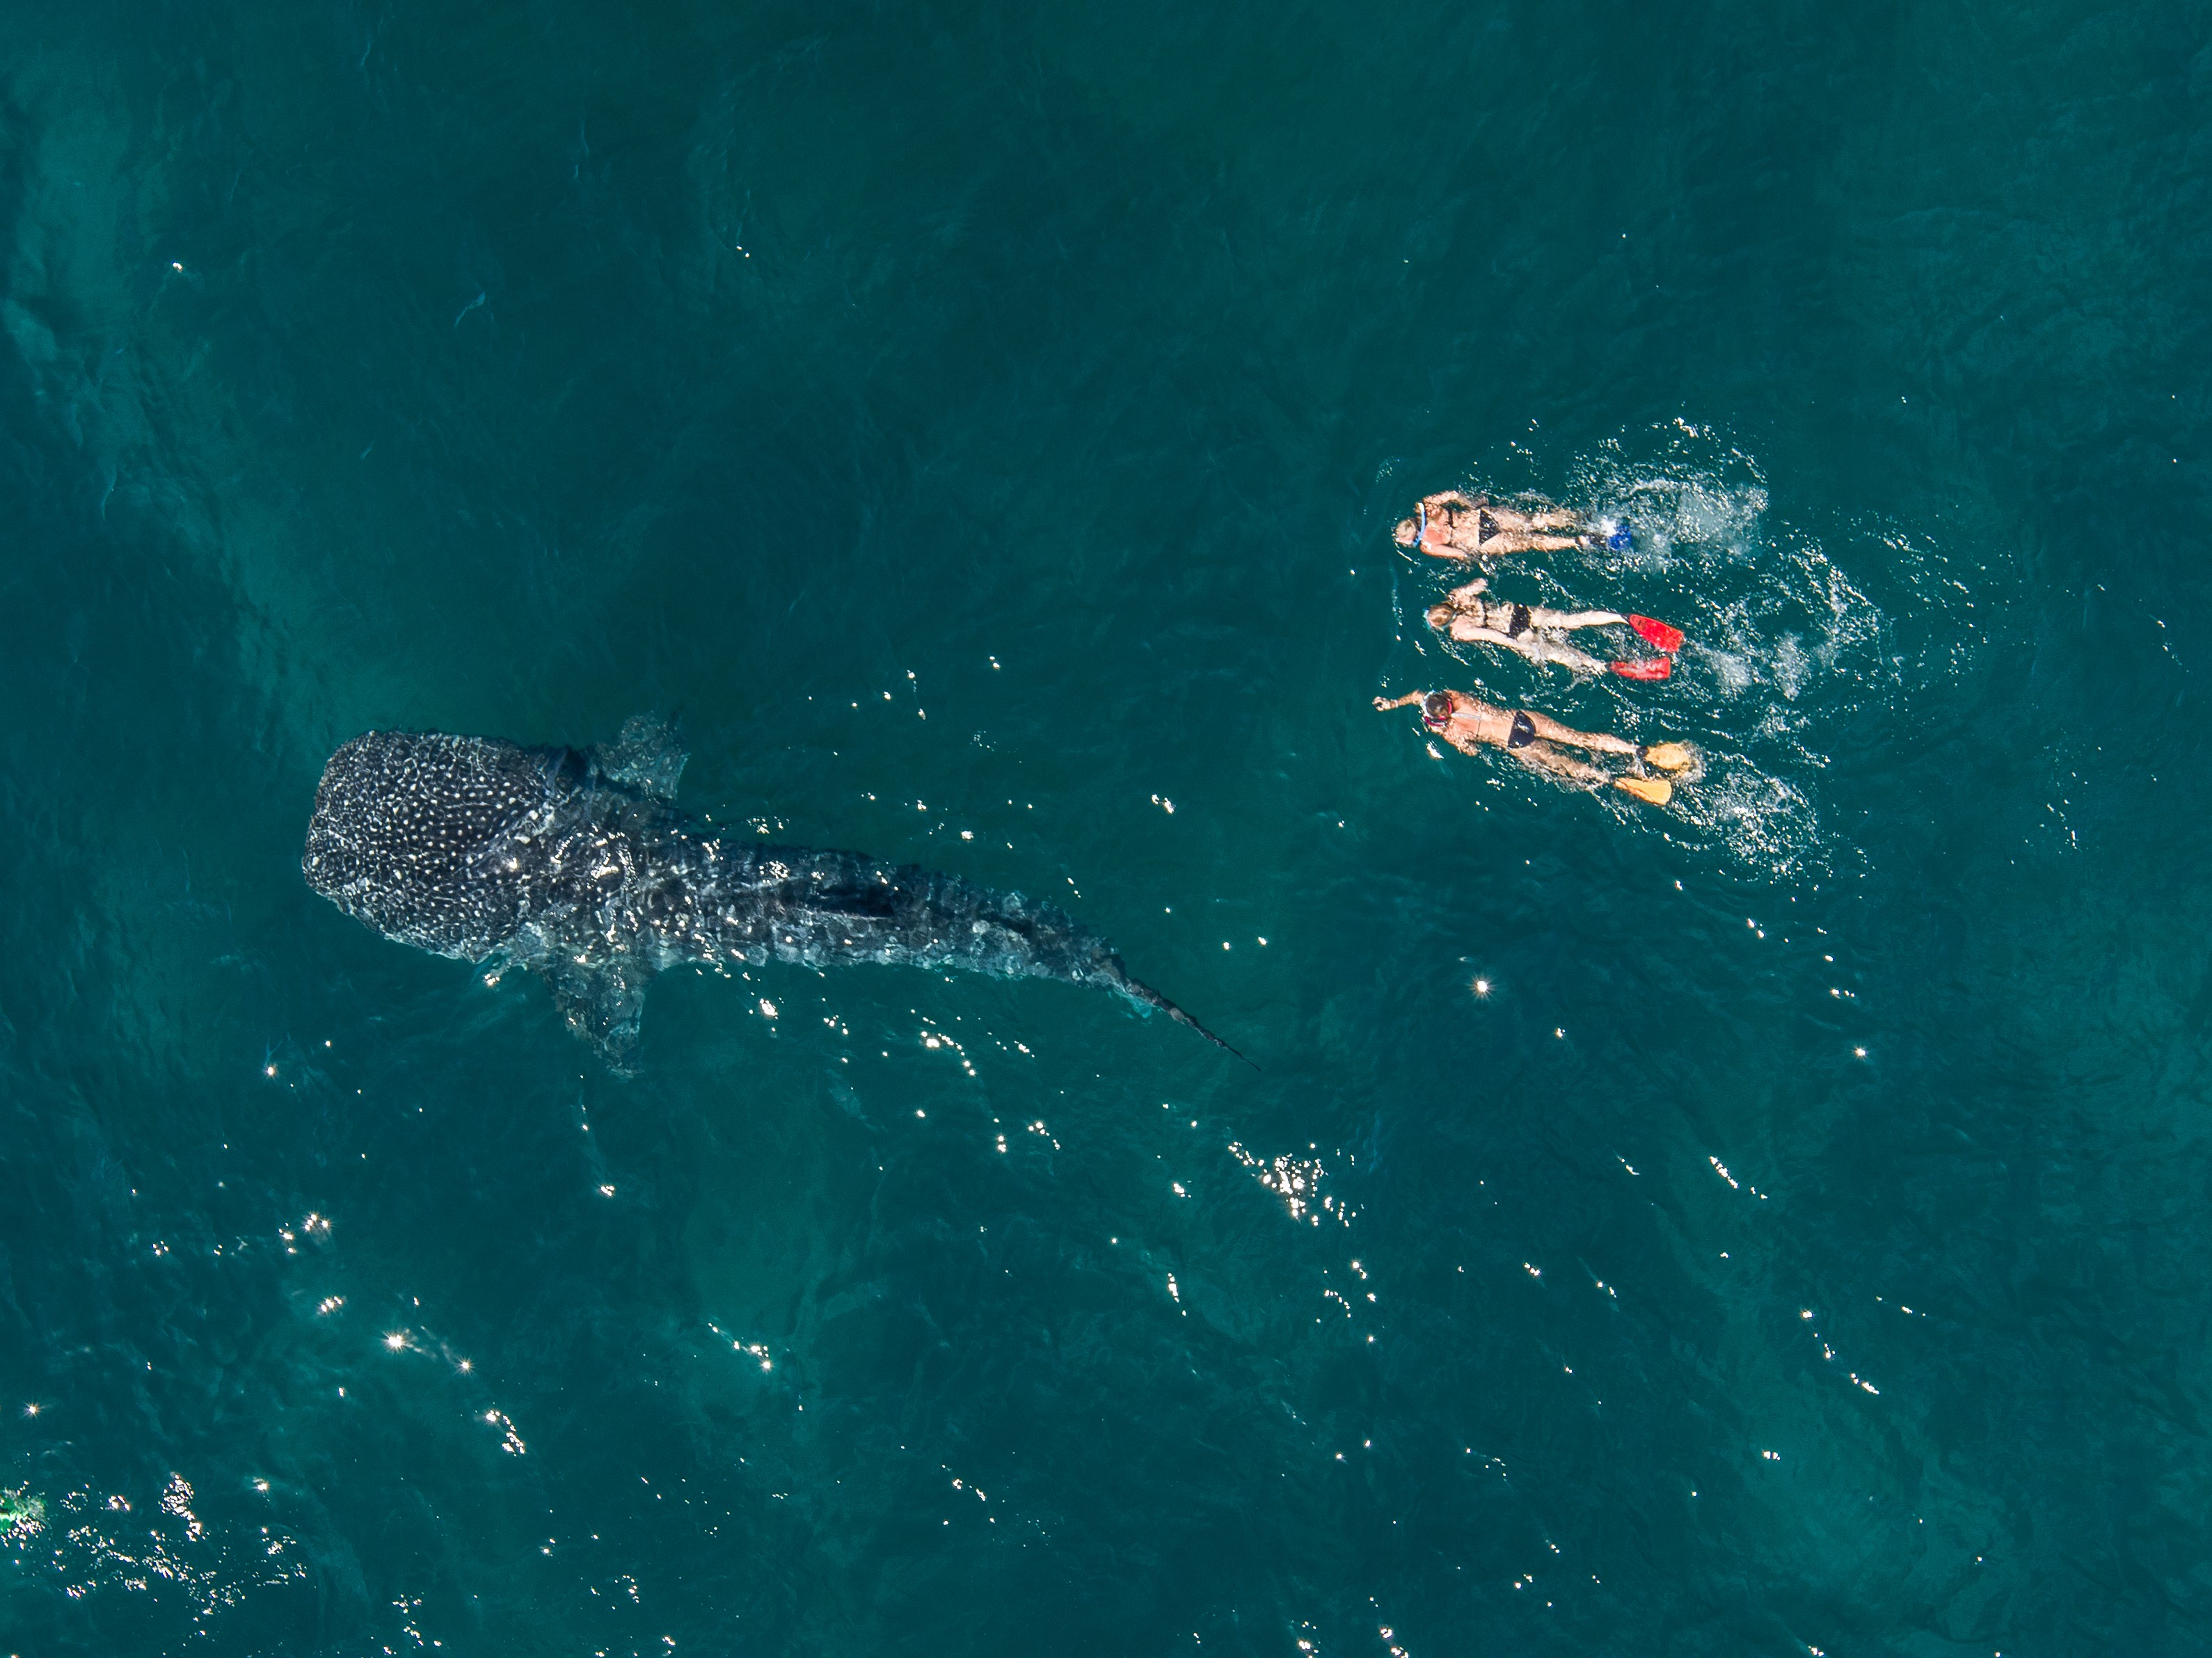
(1657, 632)
(1652, 667)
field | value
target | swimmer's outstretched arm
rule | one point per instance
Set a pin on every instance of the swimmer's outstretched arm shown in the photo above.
(1599, 742)
(1386, 704)
(1458, 597)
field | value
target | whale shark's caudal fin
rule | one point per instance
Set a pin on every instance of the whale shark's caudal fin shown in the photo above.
(1138, 991)
(648, 754)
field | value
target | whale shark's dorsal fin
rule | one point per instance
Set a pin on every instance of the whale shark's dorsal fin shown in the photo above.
(648, 754)
(602, 1003)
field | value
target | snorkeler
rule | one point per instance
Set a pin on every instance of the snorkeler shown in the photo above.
(1452, 524)
(1466, 616)
(1470, 725)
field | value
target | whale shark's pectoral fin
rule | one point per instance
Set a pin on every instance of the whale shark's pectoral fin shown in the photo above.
(603, 1003)
(647, 755)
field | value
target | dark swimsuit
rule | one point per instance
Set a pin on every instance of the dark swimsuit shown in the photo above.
(1523, 732)
(1485, 527)
(1512, 620)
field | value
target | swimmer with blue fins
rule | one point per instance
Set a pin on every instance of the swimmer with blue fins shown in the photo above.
(1457, 525)
(1470, 725)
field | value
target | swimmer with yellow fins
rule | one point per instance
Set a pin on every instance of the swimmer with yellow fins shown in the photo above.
(1470, 725)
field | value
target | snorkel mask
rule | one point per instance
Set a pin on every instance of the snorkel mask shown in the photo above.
(1436, 710)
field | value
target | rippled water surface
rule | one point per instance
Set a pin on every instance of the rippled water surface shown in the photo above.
(1773, 1224)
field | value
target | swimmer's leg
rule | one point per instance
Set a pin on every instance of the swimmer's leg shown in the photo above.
(1527, 541)
(1553, 650)
(1543, 757)
(1565, 620)
(1599, 742)
(1555, 518)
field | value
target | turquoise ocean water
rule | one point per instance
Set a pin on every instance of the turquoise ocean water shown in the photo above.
(981, 425)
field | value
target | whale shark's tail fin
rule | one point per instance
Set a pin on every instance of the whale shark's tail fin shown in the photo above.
(1137, 990)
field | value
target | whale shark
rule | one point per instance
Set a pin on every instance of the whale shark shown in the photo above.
(577, 866)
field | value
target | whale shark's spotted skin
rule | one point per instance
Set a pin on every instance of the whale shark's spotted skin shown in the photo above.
(577, 866)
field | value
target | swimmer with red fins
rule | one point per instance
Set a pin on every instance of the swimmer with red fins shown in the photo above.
(1472, 619)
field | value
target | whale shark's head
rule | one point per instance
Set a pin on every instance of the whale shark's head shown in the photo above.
(411, 835)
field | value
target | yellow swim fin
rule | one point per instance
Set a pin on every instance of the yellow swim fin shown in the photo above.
(1669, 756)
(1652, 790)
